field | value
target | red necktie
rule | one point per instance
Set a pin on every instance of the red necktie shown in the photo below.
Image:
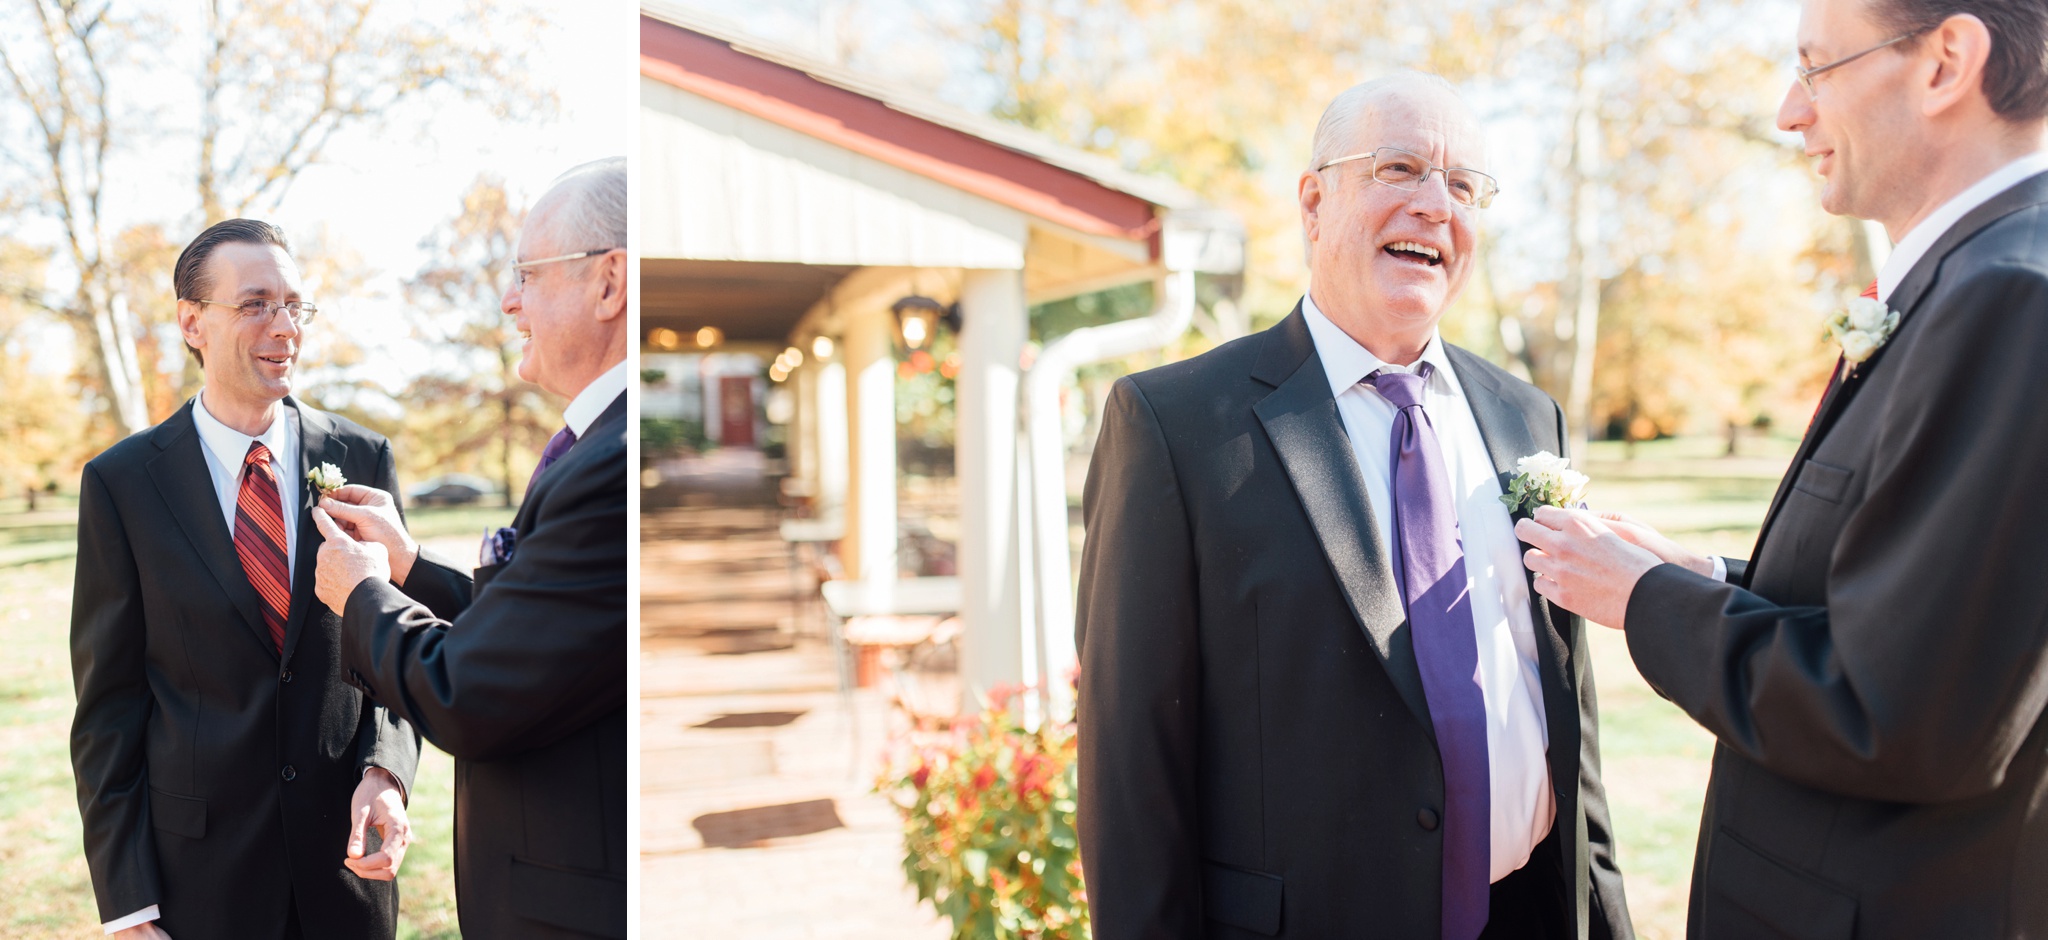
(260, 541)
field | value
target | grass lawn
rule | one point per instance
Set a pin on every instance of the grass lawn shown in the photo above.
(1654, 757)
(45, 891)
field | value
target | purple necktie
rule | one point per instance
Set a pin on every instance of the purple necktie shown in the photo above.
(557, 446)
(1429, 564)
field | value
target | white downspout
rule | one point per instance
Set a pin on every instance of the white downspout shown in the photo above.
(1049, 642)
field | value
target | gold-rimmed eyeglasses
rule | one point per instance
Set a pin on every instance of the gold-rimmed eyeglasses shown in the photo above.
(519, 270)
(300, 312)
(1408, 171)
(1806, 76)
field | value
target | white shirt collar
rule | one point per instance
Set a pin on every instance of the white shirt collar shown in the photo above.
(230, 446)
(1913, 247)
(1346, 362)
(594, 399)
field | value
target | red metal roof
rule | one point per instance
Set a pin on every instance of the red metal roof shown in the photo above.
(722, 70)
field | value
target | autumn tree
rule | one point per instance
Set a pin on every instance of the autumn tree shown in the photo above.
(275, 84)
(473, 410)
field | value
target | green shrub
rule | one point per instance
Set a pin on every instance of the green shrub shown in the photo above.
(988, 826)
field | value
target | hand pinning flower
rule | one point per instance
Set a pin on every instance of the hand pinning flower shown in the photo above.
(1544, 479)
(326, 478)
(1862, 329)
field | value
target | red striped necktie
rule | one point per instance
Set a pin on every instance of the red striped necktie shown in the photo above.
(260, 540)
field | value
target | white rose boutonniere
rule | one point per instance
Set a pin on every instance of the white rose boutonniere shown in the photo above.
(1544, 479)
(326, 478)
(1862, 329)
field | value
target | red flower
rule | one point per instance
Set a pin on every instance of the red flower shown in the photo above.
(983, 777)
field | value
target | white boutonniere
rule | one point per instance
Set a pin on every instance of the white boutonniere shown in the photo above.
(1545, 479)
(1862, 329)
(326, 478)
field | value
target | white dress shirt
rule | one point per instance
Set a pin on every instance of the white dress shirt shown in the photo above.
(594, 399)
(1914, 246)
(224, 449)
(1517, 740)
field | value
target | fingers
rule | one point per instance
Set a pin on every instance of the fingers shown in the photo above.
(347, 512)
(356, 834)
(379, 866)
(1537, 533)
(328, 527)
(360, 495)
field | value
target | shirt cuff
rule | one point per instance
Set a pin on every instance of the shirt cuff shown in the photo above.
(404, 798)
(1720, 567)
(136, 919)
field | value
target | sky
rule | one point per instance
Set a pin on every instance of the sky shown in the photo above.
(381, 188)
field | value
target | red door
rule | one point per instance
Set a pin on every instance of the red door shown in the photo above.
(736, 410)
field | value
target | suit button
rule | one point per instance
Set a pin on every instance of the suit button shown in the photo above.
(286, 677)
(1426, 819)
(290, 773)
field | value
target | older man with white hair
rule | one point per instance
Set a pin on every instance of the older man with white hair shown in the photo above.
(1318, 696)
(520, 671)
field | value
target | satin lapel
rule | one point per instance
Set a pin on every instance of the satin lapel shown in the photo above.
(1508, 437)
(1301, 419)
(1913, 289)
(186, 486)
(317, 445)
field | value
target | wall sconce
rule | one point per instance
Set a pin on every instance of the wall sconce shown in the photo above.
(918, 319)
(709, 337)
(662, 337)
(821, 348)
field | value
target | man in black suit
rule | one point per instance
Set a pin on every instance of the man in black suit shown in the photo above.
(522, 675)
(1285, 732)
(1876, 673)
(217, 750)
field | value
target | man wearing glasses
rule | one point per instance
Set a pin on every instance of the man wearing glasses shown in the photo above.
(226, 771)
(1876, 672)
(520, 672)
(1317, 696)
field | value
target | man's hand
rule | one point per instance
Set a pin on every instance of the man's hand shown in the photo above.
(144, 931)
(377, 804)
(369, 514)
(344, 563)
(1581, 564)
(1642, 536)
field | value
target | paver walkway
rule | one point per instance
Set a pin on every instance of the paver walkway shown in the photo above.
(758, 820)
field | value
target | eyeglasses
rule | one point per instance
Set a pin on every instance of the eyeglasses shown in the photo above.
(1408, 171)
(1806, 76)
(301, 313)
(519, 270)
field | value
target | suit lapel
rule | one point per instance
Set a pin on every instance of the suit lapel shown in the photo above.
(2032, 191)
(317, 444)
(1300, 417)
(1505, 429)
(186, 485)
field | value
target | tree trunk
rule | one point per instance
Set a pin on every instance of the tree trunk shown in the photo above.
(1584, 274)
(115, 343)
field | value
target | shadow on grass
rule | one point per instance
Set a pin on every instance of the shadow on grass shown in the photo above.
(45, 889)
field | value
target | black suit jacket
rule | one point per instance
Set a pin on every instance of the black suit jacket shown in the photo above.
(522, 677)
(213, 778)
(1877, 675)
(1256, 755)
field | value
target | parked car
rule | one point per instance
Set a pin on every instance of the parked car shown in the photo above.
(451, 489)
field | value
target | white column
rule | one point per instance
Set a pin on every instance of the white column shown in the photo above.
(871, 402)
(803, 425)
(992, 337)
(833, 453)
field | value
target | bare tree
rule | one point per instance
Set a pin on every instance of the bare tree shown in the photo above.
(481, 404)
